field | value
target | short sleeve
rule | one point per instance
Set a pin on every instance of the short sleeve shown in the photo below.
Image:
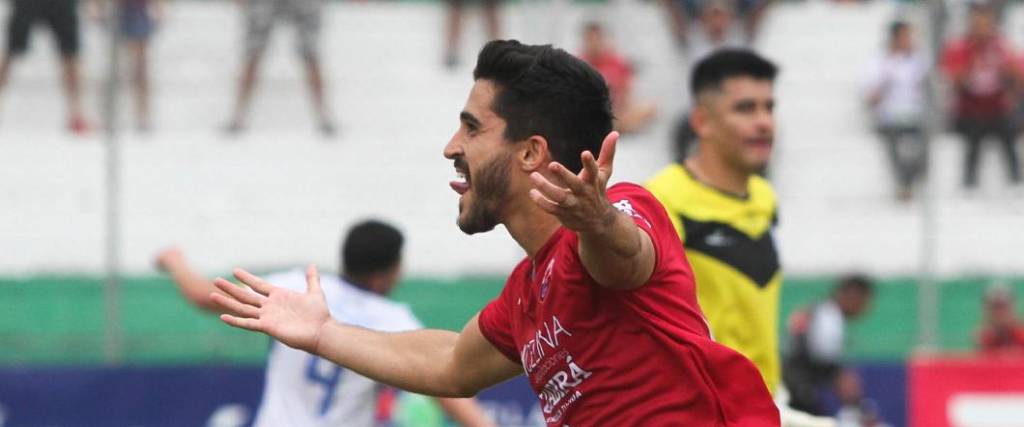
(646, 212)
(495, 323)
(662, 186)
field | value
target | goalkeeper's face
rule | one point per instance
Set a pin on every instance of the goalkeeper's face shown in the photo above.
(737, 121)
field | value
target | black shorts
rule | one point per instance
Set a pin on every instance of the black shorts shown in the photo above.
(60, 15)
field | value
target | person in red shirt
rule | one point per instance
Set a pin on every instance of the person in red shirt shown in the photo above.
(601, 315)
(1001, 332)
(630, 115)
(985, 77)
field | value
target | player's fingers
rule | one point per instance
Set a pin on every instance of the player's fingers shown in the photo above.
(253, 281)
(543, 202)
(239, 322)
(313, 280)
(590, 169)
(547, 189)
(566, 177)
(607, 157)
(233, 306)
(243, 296)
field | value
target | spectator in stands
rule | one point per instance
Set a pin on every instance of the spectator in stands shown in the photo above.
(985, 77)
(453, 27)
(261, 15)
(716, 28)
(137, 21)
(1001, 332)
(630, 115)
(719, 24)
(815, 362)
(62, 18)
(896, 94)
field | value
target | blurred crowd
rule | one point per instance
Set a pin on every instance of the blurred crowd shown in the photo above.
(698, 27)
(136, 22)
(983, 74)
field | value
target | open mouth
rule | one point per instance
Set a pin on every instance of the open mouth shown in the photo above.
(764, 143)
(462, 182)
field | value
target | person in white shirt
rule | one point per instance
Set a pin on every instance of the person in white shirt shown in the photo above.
(304, 390)
(896, 87)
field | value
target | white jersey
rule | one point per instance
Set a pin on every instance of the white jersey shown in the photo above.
(304, 390)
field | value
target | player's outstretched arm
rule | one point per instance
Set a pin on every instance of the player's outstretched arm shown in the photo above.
(195, 287)
(431, 362)
(615, 252)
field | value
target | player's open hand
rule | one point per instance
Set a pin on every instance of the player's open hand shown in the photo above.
(578, 200)
(295, 319)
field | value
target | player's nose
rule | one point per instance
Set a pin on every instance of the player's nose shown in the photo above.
(452, 149)
(765, 121)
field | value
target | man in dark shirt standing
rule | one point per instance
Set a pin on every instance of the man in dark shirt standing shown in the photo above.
(62, 17)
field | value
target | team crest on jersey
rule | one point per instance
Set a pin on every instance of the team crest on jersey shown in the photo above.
(627, 208)
(545, 281)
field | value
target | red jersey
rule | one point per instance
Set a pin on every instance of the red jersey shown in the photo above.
(1008, 340)
(983, 74)
(603, 357)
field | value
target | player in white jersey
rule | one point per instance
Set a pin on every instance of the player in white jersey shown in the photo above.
(304, 390)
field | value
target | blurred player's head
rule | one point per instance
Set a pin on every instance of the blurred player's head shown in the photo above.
(853, 295)
(982, 20)
(900, 37)
(734, 94)
(594, 42)
(371, 256)
(529, 106)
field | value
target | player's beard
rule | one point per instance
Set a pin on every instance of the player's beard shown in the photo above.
(489, 190)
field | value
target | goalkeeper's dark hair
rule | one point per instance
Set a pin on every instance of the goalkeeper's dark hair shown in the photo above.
(712, 71)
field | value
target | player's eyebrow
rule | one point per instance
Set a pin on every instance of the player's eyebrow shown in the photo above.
(469, 118)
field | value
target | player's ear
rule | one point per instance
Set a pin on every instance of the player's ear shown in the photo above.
(699, 118)
(533, 153)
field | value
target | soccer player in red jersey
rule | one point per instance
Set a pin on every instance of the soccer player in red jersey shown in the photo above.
(601, 316)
